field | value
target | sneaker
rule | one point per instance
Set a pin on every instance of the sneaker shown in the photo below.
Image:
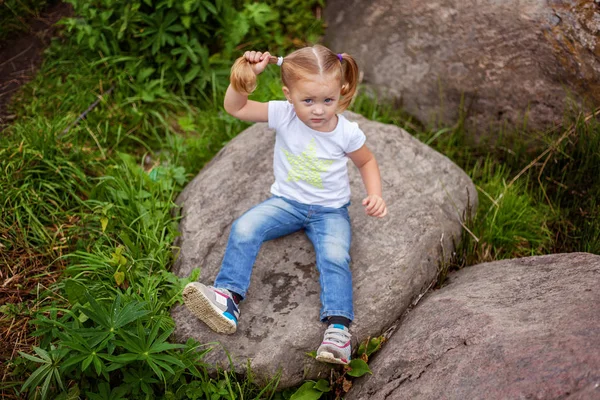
(215, 307)
(335, 348)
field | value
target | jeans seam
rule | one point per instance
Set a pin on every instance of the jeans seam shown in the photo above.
(338, 312)
(321, 277)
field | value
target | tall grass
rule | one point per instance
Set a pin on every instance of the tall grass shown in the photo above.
(537, 191)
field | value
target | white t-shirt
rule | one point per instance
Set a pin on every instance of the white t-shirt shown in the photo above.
(310, 166)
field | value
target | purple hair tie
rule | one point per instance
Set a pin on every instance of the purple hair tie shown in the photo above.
(340, 57)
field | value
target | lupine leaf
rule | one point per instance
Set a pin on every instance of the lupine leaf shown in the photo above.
(36, 376)
(42, 353)
(169, 359)
(131, 312)
(73, 360)
(32, 358)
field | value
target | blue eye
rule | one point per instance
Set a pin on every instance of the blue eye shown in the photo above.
(307, 101)
(328, 101)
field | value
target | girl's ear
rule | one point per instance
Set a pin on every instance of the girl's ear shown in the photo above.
(287, 93)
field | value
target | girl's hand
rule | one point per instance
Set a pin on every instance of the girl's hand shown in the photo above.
(375, 206)
(258, 61)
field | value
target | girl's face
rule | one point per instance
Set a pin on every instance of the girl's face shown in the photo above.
(315, 101)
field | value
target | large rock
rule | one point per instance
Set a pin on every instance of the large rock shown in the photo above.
(525, 328)
(394, 259)
(506, 57)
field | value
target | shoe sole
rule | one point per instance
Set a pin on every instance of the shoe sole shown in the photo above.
(202, 307)
(330, 358)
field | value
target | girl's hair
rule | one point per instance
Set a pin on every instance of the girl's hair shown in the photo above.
(315, 60)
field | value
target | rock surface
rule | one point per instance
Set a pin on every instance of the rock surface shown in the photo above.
(394, 259)
(525, 328)
(506, 57)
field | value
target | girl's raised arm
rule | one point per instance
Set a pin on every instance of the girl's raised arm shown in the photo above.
(243, 81)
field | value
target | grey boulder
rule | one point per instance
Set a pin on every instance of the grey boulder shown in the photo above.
(504, 60)
(525, 328)
(394, 259)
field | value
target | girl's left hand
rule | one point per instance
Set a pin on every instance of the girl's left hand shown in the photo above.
(375, 206)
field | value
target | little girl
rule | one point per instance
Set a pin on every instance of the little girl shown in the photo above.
(311, 189)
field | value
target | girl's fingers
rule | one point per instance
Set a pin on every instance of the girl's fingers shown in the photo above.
(369, 204)
(379, 213)
(375, 206)
(370, 208)
(266, 57)
(253, 56)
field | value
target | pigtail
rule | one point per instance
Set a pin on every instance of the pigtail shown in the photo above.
(349, 80)
(243, 78)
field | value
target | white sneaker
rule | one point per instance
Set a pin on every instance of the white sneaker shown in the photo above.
(336, 347)
(215, 307)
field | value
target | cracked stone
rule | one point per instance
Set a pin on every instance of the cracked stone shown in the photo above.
(500, 62)
(518, 329)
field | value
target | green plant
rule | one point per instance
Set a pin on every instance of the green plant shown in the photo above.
(340, 381)
(120, 342)
(311, 390)
(187, 46)
(47, 372)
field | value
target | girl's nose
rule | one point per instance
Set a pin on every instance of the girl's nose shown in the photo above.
(318, 110)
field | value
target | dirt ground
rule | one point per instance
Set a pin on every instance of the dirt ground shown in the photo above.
(21, 55)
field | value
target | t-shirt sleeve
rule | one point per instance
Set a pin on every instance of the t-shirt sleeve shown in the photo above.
(279, 113)
(356, 138)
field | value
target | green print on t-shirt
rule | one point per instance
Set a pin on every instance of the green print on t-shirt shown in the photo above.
(306, 166)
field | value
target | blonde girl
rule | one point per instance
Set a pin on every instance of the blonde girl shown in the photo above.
(311, 192)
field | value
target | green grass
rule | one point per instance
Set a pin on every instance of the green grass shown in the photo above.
(95, 204)
(537, 191)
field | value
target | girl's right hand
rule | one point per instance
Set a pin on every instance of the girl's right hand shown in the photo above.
(258, 61)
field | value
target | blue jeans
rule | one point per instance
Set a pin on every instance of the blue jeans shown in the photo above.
(327, 228)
